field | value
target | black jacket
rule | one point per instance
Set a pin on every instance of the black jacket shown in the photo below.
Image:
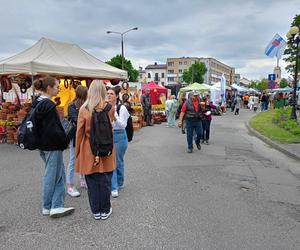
(50, 130)
(73, 116)
(191, 113)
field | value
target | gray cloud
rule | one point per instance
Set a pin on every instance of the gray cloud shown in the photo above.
(233, 31)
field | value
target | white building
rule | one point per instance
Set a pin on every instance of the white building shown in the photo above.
(157, 73)
(142, 75)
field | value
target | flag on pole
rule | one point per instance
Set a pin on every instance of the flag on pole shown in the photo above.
(223, 85)
(276, 47)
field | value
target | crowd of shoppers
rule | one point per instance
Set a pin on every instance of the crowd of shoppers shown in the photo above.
(103, 178)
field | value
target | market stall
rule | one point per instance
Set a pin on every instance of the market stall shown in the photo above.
(158, 97)
(67, 62)
(195, 86)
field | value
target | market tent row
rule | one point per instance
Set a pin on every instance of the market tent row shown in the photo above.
(158, 93)
(61, 59)
(239, 88)
(287, 89)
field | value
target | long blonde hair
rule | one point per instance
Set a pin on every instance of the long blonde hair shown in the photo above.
(96, 95)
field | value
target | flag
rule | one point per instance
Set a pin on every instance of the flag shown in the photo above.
(223, 85)
(276, 47)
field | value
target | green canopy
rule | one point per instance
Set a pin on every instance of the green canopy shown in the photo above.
(194, 86)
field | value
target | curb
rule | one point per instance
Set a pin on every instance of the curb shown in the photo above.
(272, 143)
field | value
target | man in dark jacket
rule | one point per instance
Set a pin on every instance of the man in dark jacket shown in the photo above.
(193, 115)
(147, 106)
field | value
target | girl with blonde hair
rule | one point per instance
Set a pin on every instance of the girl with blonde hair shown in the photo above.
(98, 176)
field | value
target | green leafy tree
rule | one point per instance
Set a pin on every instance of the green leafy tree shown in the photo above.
(290, 51)
(262, 85)
(253, 84)
(195, 73)
(283, 83)
(117, 62)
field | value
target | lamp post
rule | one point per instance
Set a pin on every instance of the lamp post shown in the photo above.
(293, 40)
(122, 42)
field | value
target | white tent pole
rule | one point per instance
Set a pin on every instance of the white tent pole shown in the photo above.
(33, 88)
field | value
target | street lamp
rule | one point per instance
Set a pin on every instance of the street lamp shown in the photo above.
(294, 39)
(122, 42)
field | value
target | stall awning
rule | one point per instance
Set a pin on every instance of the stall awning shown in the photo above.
(58, 58)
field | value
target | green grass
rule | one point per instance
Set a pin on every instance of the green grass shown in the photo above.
(264, 125)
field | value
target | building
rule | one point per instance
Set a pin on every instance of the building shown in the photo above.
(245, 82)
(157, 73)
(237, 79)
(142, 75)
(215, 69)
(177, 66)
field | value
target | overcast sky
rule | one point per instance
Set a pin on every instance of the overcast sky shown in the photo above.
(235, 32)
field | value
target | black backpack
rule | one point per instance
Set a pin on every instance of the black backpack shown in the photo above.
(101, 135)
(129, 126)
(28, 132)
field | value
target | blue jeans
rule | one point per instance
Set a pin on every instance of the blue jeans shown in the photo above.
(121, 144)
(192, 126)
(54, 179)
(70, 169)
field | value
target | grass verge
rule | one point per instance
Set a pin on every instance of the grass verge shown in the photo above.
(264, 125)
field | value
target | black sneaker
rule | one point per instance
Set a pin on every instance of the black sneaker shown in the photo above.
(104, 216)
(190, 150)
(198, 146)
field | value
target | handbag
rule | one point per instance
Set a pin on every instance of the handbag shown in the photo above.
(69, 127)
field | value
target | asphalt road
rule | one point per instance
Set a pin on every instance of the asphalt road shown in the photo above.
(236, 193)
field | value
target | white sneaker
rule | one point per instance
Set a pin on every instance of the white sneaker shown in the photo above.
(97, 216)
(45, 211)
(114, 193)
(73, 192)
(61, 211)
(104, 216)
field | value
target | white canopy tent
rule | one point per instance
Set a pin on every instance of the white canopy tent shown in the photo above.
(58, 58)
(239, 88)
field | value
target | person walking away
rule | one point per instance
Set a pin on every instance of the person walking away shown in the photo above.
(255, 103)
(267, 102)
(250, 103)
(52, 141)
(167, 105)
(120, 139)
(223, 104)
(233, 102)
(147, 106)
(97, 171)
(206, 122)
(172, 107)
(181, 102)
(263, 102)
(193, 113)
(238, 105)
(73, 109)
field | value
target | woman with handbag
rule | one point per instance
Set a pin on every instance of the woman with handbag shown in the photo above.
(73, 109)
(52, 140)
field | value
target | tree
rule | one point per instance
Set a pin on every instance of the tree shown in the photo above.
(195, 73)
(253, 84)
(290, 51)
(262, 85)
(117, 62)
(283, 83)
